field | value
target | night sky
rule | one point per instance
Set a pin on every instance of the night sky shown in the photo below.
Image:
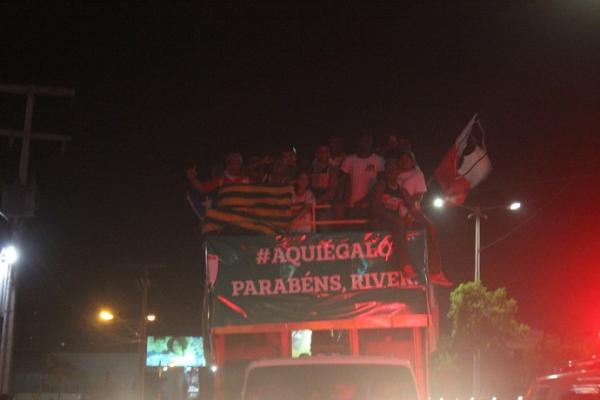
(161, 88)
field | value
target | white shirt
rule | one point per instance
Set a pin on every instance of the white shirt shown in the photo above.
(413, 182)
(363, 174)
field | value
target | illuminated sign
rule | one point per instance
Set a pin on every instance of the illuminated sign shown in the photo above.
(175, 351)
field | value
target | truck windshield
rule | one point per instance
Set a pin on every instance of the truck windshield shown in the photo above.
(331, 382)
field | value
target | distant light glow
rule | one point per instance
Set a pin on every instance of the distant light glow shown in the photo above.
(438, 202)
(586, 389)
(520, 397)
(515, 205)
(9, 255)
(151, 317)
(214, 368)
(106, 315)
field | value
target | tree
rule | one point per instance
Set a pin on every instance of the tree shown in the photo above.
(484, 322)
(482, 319)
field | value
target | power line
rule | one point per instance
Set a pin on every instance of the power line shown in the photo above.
(523, 223)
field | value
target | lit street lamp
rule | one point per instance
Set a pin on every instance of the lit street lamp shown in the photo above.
(478, 213)
(438, 202)
(9, 255)
(106, 316)
(144, 319)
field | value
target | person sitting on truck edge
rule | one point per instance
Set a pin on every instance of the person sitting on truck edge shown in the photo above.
(412, 183)
(232, 174)
(358, 177)
(387, 198)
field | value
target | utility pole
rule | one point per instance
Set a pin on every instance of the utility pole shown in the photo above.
(144, 283)
(477, 212)
(8, 322)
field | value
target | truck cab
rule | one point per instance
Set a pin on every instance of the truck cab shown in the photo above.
(330, 377)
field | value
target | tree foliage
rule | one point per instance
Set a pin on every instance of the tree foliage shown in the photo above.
(482, 319)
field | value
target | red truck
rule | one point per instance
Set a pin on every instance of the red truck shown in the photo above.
(301, 296)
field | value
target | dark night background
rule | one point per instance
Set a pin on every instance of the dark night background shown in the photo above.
(161, 88)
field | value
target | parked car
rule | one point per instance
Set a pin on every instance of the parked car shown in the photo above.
(581, 384)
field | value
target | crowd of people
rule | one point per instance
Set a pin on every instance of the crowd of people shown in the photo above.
(380, 184)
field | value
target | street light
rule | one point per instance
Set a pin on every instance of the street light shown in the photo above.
(9, 255)
(514, 206)
(438, 202)
(105, 315)
(478, 213)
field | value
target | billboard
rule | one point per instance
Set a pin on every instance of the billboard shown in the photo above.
(294, 278)
(175, 351)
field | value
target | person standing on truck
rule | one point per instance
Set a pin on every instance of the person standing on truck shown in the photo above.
(279, 173)
(323, 182)
(302, 202)
(358, 177)
(336, 149)
(204, 192)
(323, 176)
(256, 168)
(232, 174)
